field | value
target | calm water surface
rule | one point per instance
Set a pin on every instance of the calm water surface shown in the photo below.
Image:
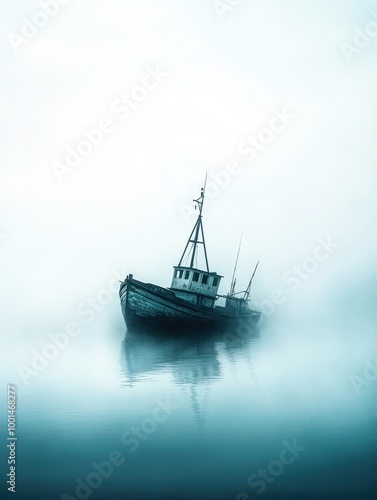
(271, 415)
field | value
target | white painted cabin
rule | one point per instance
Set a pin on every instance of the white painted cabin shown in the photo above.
(195, 285)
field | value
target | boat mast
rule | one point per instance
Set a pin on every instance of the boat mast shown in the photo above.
(233, 282)
(247, 292)
(197, 229)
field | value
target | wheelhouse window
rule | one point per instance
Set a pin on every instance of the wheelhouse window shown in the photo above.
(195, 277)
(215, 281)
(205, 279)
(180, 274)
(187, 275)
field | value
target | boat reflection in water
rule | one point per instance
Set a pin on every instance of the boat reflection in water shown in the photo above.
(194, 362)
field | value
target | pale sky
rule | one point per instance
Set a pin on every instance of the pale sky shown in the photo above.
(223, 80)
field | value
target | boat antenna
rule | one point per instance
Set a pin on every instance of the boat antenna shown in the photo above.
(198, 227)
(233, 282)
(247, 292)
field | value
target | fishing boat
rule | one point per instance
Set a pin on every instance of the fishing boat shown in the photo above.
(191, 301)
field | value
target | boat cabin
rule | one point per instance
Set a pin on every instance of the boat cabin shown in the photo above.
(195, 285)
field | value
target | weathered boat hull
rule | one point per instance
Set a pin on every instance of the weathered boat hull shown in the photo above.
(148, 306)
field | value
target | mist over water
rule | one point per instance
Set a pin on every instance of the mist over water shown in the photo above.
(229, 407)
(266, 99)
